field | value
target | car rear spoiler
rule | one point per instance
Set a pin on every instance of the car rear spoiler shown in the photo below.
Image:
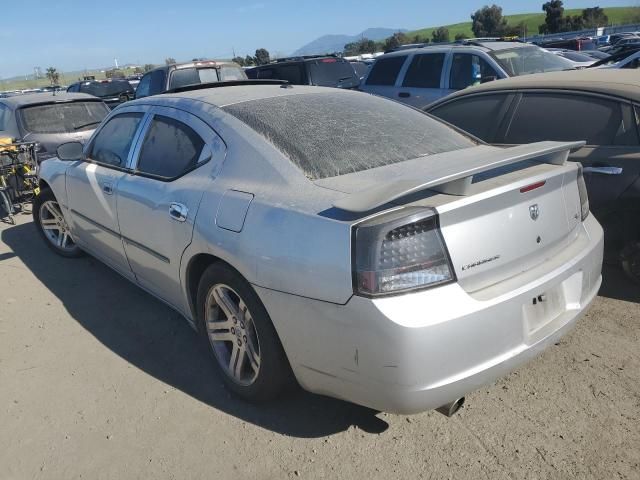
(453, 176)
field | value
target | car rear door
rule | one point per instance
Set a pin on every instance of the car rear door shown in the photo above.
(92, 185)
(384, 76)
(422, 81)
(611, 158)
(176, 159)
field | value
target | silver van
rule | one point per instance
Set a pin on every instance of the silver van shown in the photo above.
(421, 75)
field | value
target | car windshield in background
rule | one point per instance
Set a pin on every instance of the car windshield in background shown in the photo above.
(231, 72)
(331, 72)
(106, 89)
(193, 76)
(330, 135)
(63, 117)
(526, 60)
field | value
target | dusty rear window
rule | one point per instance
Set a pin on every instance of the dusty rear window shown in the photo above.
(331, 134)
(63, 117)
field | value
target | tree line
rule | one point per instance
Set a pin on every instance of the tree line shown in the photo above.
(489, 21)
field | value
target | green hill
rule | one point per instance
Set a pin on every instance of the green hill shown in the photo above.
(617, 16)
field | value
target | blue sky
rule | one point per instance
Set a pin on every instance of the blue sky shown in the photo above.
(73, 34)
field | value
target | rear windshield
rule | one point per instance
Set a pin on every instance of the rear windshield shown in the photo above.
(331, 72)
(106, 89)
(331, 134)
(231, 72)
(63, 117)
(526, 60)
(193, 76)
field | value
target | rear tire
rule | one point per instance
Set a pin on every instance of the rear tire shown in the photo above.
(240, 336)
(630, 260)
(52, 225)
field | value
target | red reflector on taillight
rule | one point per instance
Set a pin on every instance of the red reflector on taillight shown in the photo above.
(533, 186)
(328, 60)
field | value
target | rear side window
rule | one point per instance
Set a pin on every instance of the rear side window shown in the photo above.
(385, 70)
(111, 145)
(157, 84)
(476, 114)
(425, 71)
(563, 117)
(231, 72)
(331, 134)
(170, 149)
(467, 70)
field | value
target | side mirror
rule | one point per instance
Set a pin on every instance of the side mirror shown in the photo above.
(70, 151)
(488, 79)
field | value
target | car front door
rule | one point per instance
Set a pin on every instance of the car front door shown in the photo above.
(92, 189)
(175, 161)
(468, 69)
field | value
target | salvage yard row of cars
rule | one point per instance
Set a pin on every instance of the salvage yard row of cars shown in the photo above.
(362, 248)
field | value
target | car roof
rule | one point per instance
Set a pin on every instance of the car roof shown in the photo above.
(197, 63)
(485, 45)
(621, 83)
(19, 101)
(229, 95)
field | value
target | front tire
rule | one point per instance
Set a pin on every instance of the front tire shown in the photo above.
(52, 225)
(240, 336)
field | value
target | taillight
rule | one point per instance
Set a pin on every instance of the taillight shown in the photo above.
(584, 197)
(400, 252)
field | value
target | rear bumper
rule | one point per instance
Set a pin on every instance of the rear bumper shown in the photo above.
(418, 351)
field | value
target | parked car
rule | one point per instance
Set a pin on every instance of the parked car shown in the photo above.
(357, 255)
(576, 44)
(599, 106)
(615, 61)
(320, 70)
(177, 75)
(579, 59)
(50, 119)
(420, 76)
(361, 68)
(112, 92)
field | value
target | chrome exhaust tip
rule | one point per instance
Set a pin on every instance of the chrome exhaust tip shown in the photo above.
(449, 409)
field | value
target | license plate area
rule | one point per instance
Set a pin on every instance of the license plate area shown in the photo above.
(543, 308)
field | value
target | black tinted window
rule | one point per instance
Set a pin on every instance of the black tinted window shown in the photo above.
(157, 82)
(4, 117)
(143, 86)
(425, 71)
(291, 73)
(385, 70)
(106, 89)
(192, 76)
(467, 70)
(562, 117)
(330, 134)
(111, 146)
(477, 115)
(170, 148)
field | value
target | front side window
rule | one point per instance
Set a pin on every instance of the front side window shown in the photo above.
(63, 117)
(468, 70)
(112, 144)
(170, 149)
(385, 71)
(565, 117)
(425, 71)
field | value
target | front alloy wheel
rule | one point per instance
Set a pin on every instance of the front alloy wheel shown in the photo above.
(53, 226)
(232, 334)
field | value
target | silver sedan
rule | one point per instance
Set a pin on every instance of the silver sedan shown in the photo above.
(344, 241)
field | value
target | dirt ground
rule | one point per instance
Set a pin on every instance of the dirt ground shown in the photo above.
(100, 380)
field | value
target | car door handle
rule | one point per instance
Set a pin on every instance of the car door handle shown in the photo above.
(107, 188)
(404, 94)
(178, 211)
(603, 170)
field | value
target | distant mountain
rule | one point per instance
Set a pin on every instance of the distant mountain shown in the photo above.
(336, 43)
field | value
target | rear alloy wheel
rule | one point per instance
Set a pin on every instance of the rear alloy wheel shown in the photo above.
(240, 335)
(53, 226)
(630, 260)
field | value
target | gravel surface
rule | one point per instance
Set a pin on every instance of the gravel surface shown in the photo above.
(100, 380)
